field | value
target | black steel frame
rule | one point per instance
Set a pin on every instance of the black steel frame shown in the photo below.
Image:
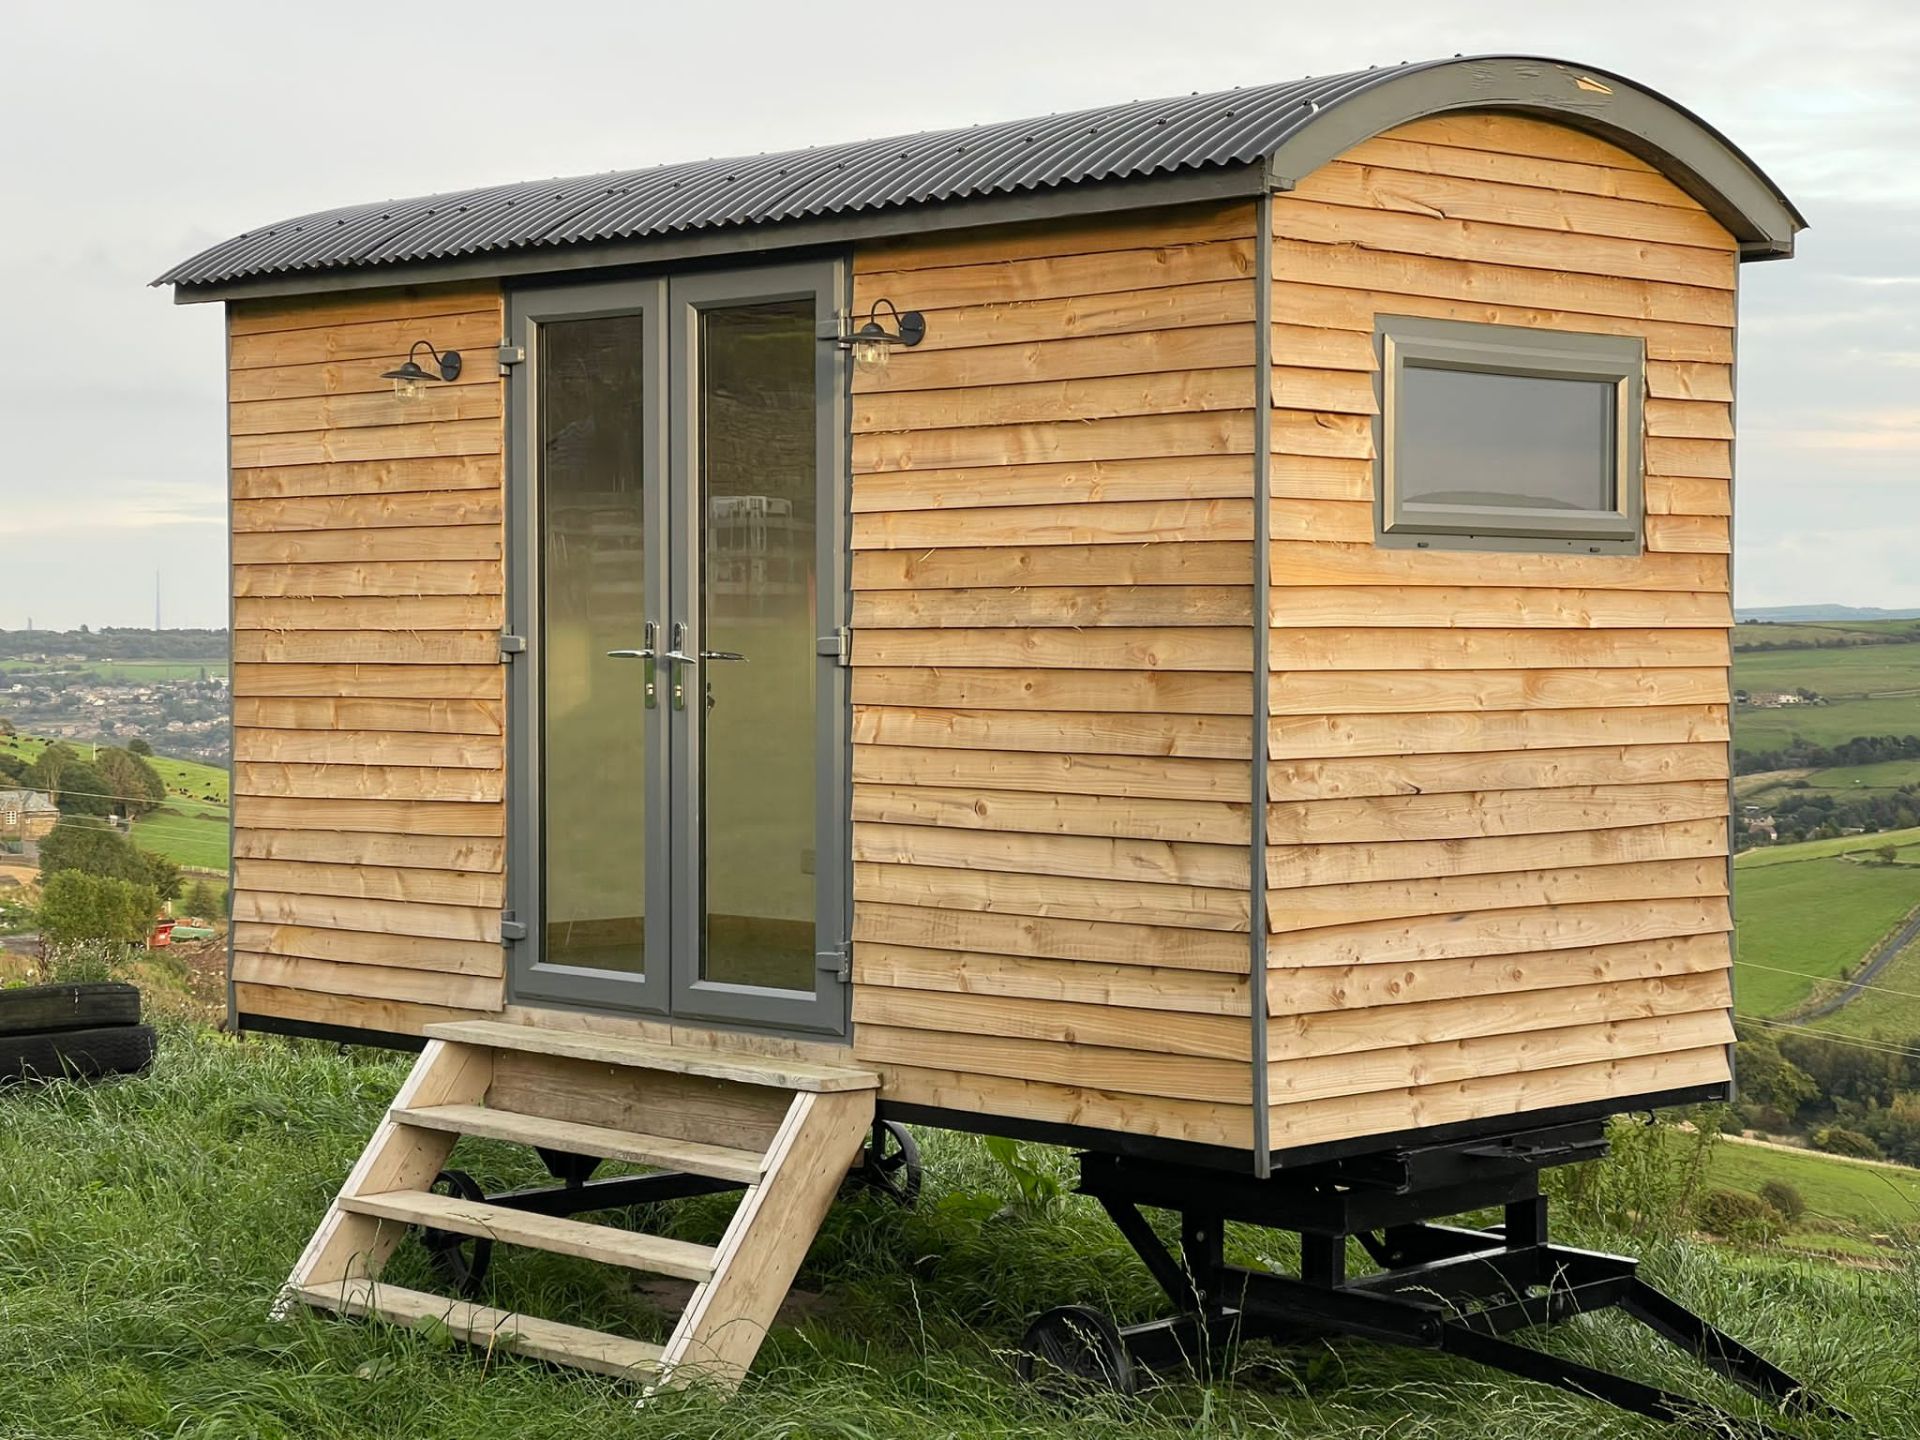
(1437, 1287)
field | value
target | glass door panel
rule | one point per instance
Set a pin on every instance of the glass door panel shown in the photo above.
(758, 594)
(678, 757)
(593, 502)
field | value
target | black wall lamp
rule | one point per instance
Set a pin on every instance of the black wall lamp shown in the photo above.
(406, 378)
(873, 342)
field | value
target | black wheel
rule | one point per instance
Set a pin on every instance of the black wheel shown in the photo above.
(52, 1009)
(1073, 1350)
(77, 1054)
(460, 1260)
(890, 1164)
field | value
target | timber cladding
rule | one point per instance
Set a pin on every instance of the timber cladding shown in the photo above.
(368, 695)
(1053, 700)
(1497, 789)
(1495, 800)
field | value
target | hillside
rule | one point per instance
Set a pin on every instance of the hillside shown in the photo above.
(191, 827)
(1808, 916)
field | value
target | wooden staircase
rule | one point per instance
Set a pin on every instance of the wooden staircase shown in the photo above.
(786, 1130)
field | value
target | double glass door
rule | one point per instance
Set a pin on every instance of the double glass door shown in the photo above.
(677, 574)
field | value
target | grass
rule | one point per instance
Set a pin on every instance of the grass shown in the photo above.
(1825, 632)
(1881, 777)
(189, 832)
(1858, 671)
(134, 670)
(1766, 855)
(145, 1226)
(1870, 1197)
(1828, 725)
(1890, 1010)
(1816, 919)
(191, 828)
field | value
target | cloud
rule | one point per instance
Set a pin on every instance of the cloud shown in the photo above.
(110, 397)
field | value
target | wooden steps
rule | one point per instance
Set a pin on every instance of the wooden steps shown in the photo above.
(653, 1253)
(722, 1162)
(737, 1066)
(488, 1328)
(785, 1131)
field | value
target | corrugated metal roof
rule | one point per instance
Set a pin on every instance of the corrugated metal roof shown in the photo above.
(1114, 142)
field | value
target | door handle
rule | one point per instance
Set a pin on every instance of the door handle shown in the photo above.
(723, 655)
(644, 653)
(678, 657)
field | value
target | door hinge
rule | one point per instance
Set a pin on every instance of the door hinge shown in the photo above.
(511, 645)
(511, 929)
(510, 355)
(839, 645)
(837, 962)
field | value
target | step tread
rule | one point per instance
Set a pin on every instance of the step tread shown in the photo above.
(655, 1254)
(483, 1325)
(721, 1162)
(773, 1071)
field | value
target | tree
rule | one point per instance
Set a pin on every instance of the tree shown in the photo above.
(83, 790)
(12, 767)
(163, 874)
(201, 902)
(140, 747)
(6, 726)
(44, 773)
(135, 785)
(93, 849)
(1888, 854)
(76, 907)
(1769, 1079)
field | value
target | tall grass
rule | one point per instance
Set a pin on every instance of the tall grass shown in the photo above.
(144, 1227)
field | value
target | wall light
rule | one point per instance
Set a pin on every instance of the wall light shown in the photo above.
(873, 342)
(407, 377)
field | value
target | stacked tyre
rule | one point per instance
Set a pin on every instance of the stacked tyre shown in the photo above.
(78, 1032)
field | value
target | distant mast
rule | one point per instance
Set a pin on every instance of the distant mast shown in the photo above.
(156, 599)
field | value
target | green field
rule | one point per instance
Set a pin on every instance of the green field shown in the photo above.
(1824, 724)
(1765, 855)
(1819, 632)
(124, 669)
(189, 832)
(188, 778)
(1890, 1010)
(1859, 782)
(191, 827)
(1836, 674)
(1813, 920)
(1871, 1197)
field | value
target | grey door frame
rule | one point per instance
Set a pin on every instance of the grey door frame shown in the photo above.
(823, 1010)
(672, 986)
(529, 978)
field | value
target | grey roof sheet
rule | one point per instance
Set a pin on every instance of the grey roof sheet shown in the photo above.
(1113, 142)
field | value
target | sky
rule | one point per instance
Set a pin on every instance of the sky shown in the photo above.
(133, 135)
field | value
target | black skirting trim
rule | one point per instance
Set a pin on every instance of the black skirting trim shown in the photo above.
(333, 1034)
(1220, 1157)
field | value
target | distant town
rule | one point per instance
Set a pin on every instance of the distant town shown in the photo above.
(167, 687)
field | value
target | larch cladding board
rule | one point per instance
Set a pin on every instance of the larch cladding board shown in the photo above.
(368, 694)
(1053, 690)
(1498, 782)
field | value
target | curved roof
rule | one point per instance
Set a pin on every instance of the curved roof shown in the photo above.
(1264, 134)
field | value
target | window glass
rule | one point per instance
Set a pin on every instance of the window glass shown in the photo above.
(1507, 437)
(1471, 438)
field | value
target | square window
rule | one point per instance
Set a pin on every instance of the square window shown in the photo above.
(1502, 437)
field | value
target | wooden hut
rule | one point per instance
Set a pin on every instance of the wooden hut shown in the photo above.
(1195, 629)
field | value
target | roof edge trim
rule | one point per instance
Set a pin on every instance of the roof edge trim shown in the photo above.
(752, 243)
(1676, 142)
